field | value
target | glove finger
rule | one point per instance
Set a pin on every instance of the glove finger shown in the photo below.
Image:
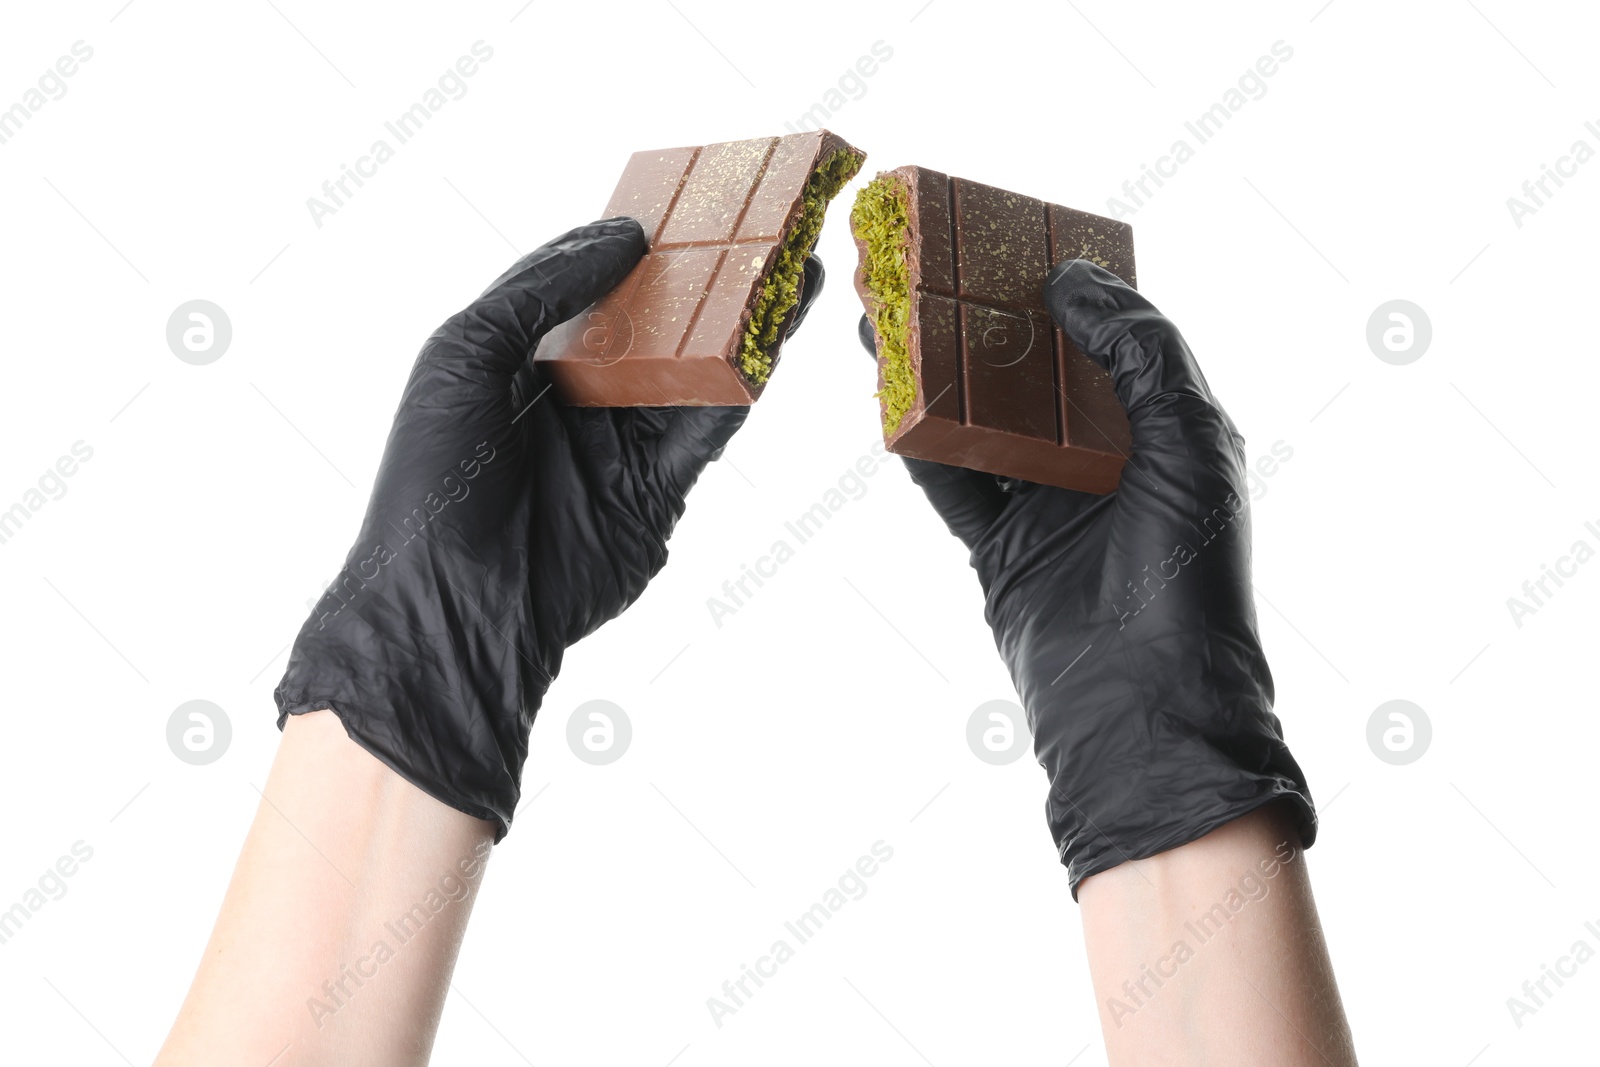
(1157, 379)
(491, 338)
(811, 282)
(867, 336)
(694, 437)
(641, 462)
(968, 501)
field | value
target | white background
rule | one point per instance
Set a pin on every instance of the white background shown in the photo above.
(830, 711)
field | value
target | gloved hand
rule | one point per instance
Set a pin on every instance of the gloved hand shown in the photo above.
(1127, 620)
(503, 527)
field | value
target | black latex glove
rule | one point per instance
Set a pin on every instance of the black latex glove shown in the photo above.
(503, 527)
(1127, 620)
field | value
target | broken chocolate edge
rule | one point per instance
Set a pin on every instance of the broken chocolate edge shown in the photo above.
(832, 151)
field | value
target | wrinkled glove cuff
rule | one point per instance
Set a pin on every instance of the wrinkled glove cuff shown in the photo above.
(441, 725)
(1131, 784)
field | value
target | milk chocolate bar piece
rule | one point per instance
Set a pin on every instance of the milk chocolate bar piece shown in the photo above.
(701, 319)
(972, 371)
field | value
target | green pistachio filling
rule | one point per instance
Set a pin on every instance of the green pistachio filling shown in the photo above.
(879, 217)
(781, 291)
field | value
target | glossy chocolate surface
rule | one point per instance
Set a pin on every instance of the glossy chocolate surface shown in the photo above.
(999, 387)
(670, 333)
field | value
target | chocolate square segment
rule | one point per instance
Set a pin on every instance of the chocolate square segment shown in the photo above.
(717, 219)
(648, 187)
(657, 318)
(998, 387)
(1002, 251)
(933, 265)
(772, 202)
(1102, 241)
(1092, 416)
(1010, 365)
(721, 184)
(738, 270)
(938, 321)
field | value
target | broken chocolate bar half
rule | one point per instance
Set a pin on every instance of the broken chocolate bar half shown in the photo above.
(972, 371)
(701, 319)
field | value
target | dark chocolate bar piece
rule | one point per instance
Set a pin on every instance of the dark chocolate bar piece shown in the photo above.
(700, 320)
(971, 369)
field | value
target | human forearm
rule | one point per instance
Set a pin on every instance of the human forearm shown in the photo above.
(340, 928)
(1212, 953)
